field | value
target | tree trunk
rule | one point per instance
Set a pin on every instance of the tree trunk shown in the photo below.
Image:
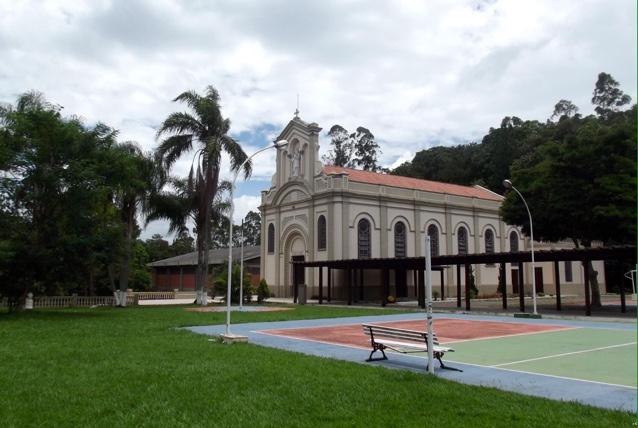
(593, 279)
(126, 257)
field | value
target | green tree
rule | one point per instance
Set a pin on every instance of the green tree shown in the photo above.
(57, 184)
(366, 150)
(204, 129)
(564, 109)
(141, 178)
(342, 148)
(221, 285)
(580, 185)
(607, 96)
(252, 229)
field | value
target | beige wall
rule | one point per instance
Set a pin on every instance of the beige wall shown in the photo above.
(293, 205)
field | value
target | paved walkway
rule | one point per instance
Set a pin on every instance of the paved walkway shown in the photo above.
(553, 387)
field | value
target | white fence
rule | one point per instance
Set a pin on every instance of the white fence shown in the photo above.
(87, 301)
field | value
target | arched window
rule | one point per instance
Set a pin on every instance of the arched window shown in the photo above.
(433, 233)
(513, 241)
(462, 240)
(363, 238)
(399, 239)
(489, 241)
(321, 233)
(271, 238)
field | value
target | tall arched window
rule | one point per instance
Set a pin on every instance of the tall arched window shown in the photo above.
(363, 238)
(271, 238)
(321, 233)
(399, 239)
(433, 233)
(513, 241)
(462, 240)
(489, 241)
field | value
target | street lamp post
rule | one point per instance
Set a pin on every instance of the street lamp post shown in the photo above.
(279, 144)
(508, 185)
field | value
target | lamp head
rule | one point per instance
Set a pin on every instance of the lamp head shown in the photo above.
(507, 184)
(281, 144)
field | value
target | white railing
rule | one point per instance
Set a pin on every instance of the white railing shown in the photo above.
(73, 301)
(154, 295)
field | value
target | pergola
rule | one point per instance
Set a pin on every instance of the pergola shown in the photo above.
(354, 271)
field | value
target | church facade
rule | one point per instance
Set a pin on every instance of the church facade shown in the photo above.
(315, 212)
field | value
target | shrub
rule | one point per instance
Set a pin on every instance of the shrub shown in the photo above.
(221, 286)
(262, 291)
(435, 295)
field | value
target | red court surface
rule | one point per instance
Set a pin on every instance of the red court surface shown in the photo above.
(447, 330)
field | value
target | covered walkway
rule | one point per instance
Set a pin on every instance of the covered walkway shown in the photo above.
(354, 269)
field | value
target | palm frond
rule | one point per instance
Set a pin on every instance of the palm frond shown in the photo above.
(191, 98)
(180, 123)
(237, 155)
(173, 147)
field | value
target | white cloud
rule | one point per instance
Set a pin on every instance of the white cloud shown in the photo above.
(243, 205)
(414, 73)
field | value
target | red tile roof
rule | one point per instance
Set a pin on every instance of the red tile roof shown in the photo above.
(413, 183)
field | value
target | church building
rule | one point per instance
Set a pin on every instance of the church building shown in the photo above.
(316, 212)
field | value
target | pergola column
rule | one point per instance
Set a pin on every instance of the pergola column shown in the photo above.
(458, 286)
(587, 296)
(421, 276)
(467, 287)
(557, 282)
(521, 288)
(320, 285)
(502, 283)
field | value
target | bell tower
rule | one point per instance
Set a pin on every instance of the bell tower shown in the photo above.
(299, 160)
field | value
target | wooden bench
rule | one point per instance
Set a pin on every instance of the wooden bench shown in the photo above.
(403, 341)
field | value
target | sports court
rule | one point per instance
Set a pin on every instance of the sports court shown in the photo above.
(590, 362)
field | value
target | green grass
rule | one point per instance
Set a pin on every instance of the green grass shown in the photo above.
(131, 367)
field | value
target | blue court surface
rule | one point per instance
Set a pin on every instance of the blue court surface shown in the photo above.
(585, 361)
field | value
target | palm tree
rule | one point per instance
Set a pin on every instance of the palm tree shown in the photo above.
(141, 178)
(205, 130)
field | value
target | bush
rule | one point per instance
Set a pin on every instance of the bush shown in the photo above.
(262, 291)
(221, 286)
(435, 295)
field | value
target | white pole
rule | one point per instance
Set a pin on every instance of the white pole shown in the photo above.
(277, 145)
(241, 269)
(229, 281)
(531, 237)
(428, 294)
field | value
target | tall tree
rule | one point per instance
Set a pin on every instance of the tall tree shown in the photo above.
(205, 129)
(564, 109)
(342, 148)
(142, 177)
(252, 229)
(607, 97)
(366, 149)
(580, 185)
(56, 187)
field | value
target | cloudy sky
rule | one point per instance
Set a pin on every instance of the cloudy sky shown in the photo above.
(416, 73)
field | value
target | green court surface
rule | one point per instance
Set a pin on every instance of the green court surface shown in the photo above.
(591, 354)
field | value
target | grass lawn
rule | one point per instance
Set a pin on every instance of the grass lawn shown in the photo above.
(130, 367)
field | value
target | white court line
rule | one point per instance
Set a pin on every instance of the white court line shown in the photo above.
(562, 355)
(505, 336)
(526, 372)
